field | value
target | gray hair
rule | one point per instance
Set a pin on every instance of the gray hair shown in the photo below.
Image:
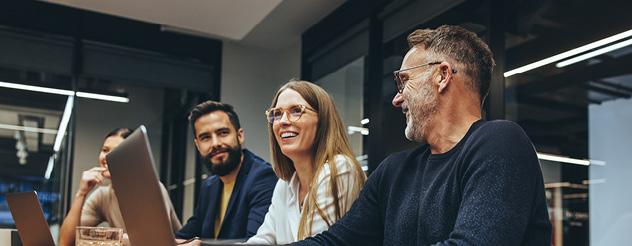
(462, 46)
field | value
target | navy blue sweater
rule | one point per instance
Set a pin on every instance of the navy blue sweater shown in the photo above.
(247, 206)
(487, 190)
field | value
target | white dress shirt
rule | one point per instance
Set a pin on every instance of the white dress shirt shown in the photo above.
(280, 225)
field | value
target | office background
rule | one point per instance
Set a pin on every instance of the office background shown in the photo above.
(165, 58)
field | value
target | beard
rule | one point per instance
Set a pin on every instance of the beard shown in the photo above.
(224, 167)
(421, 107)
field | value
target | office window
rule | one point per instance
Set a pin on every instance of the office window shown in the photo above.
(33, 142)
(576, 108)
(338, 66)
(345, 85)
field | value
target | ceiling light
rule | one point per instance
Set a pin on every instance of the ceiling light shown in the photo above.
(354, 129)
(49, 167)
(594, 53)
(102, 97)
(64, 123)
(557, 158)
(64, 92)
(597, 162)
(27, 129)
(22, 154)
(593, 181)
(36, 88)
(569, 53)
(364, 121)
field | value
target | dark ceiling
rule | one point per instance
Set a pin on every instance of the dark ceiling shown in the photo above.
(551, 103)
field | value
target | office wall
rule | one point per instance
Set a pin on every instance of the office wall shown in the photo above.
(95, 118)
(610, 138)
(250, 78)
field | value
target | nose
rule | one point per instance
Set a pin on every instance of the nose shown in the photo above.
(102, 159)
(215, 141)
(285, 120)
(398, 99)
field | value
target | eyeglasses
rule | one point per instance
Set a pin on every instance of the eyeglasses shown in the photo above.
(401, 83)
(293, 113)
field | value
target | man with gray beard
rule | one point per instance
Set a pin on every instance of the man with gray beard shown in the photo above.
(470, 182)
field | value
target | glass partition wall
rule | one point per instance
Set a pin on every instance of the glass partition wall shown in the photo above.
(563, 74)
(68, 77)
(33, 143)
(339, 66)
(569, 84)
(36, 105)
(345, 85)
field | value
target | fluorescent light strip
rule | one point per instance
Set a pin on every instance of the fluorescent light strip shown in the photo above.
(65, 119)
(593, 181)
(36, 88)
(361, 130)
(64, 92)
(563, 159)
(597, 162)
(594, 53)
(28, 129)
(569, 53)
(64, 123)
(102, 97)
(49, 167)
(361, 158)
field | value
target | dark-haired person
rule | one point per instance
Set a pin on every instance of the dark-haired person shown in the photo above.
(470, 181)
(102, 205)
(234, 200)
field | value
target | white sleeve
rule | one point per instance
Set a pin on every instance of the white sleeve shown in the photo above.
(347, 192)
(266, 234)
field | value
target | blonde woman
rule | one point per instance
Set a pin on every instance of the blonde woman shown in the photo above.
(319, 176)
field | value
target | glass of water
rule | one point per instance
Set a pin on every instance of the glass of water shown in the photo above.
(101, 236)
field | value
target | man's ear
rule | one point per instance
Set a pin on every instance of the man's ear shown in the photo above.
(241, 136)
(445, 72)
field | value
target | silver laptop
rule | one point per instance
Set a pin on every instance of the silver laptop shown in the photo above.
(29, 219)
(137, 189)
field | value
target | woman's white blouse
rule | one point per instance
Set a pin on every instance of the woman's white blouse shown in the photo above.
(280, 225)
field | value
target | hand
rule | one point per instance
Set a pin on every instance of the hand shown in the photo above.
(90, 178)
(190, 242)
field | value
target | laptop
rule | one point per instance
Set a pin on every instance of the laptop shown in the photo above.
(29, 219)
(136, 186)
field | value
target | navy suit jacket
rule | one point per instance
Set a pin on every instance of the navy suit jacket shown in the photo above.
(246, 209)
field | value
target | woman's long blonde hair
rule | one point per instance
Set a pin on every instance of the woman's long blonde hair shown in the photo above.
(330, 140)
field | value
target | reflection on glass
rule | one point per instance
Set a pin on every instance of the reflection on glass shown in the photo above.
(578, 106)
(29, 126)
(346, 86)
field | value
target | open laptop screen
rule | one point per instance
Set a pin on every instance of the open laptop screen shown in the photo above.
(136, 186)
(29, 219)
